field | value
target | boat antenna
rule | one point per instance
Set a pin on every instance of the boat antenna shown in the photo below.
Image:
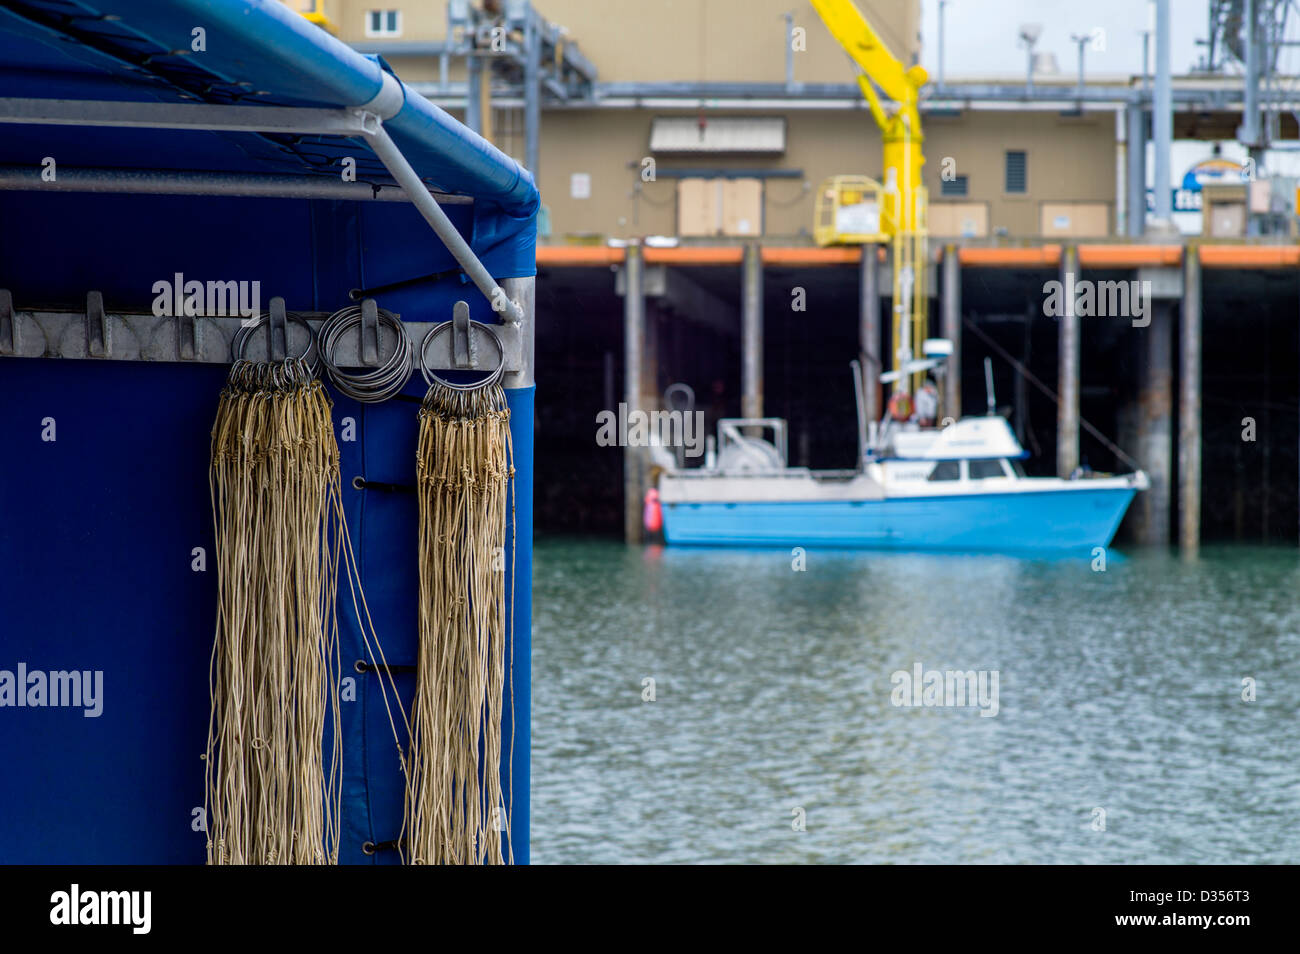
(1028, 375)
(988, 386)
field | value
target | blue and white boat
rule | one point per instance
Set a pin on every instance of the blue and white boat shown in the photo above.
(955, 488)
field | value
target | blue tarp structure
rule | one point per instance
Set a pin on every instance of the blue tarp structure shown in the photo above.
(98, 527)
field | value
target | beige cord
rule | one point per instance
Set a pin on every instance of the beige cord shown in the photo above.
(275, 668)
(455, 810)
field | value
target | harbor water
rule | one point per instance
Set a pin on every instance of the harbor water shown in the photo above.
(705, 705)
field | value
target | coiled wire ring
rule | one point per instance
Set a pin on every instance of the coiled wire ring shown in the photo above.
(430, 375)
(310, 357)
(376, 385)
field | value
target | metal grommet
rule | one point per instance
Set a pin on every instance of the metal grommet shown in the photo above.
(358, 483)
(360, 666)
(430, 376)
(368, 847)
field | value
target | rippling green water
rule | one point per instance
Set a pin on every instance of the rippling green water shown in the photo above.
(1119, 690)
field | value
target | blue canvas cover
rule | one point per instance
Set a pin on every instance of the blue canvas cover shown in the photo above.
(98, 527)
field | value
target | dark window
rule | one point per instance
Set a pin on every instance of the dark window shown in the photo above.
(953, 186)
(1017, 171)
(946, 470)
(984, 469)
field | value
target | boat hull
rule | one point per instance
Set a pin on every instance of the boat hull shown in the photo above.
(1074, 518)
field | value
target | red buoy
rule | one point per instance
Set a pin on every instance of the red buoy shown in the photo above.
(653, 515)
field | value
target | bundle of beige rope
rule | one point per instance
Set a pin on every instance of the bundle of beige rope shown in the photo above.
(273, 797)
(456, 812)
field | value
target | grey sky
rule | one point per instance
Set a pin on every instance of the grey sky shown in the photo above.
(981, 35)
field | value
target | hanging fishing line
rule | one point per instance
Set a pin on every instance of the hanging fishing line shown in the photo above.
(273, 794)
(456, 812)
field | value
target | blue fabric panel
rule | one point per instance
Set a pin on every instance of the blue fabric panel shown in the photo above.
(311, 253)
(96, 533)
(97, 530)
(521, 432)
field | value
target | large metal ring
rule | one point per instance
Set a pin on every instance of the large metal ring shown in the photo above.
(311, 357)
(430, 375)
(375, 385)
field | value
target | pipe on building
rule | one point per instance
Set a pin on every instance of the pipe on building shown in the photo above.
(751, 332)
(633, 338)
(1163, 117)
(789, 52)
(869, 331)
(1121, 172)
(1189, 408)
(952, 331)
(1067, 412)
(1136, 147)
(474, 92)
(532, 94)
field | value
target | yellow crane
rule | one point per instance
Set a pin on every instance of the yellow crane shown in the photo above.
(856, 209)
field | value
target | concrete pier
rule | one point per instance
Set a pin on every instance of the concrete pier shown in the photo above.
(869, 330)
(950, 302)
(1067, 413)
(1187, 378)
(1155, 428)
(1189, 407)
(633, 339)
(751, 332)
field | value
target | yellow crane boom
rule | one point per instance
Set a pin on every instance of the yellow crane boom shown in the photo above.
(902, 197)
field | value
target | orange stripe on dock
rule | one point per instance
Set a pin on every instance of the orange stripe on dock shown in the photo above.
(1250, 256)
(1129, 256)
(577, 256)
(1040, 257)
(694, 255)
(814, 256)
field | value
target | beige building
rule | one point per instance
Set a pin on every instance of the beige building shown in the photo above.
(705, 128)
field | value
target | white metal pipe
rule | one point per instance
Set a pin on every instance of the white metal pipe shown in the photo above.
(409, 180)
(280, 119)
(136, 182)
(1163, 115)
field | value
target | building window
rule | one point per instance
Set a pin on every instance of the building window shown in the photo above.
(984, 469)
(383, 23)
(946, 470)
(1017, 171)
(956, 186)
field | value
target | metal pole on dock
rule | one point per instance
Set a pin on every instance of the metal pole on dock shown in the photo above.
(869, 330)
(952, 331)
(1189, 408)
(751, 332)
(1155, 428)
(633, 337)
(1067, 412)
